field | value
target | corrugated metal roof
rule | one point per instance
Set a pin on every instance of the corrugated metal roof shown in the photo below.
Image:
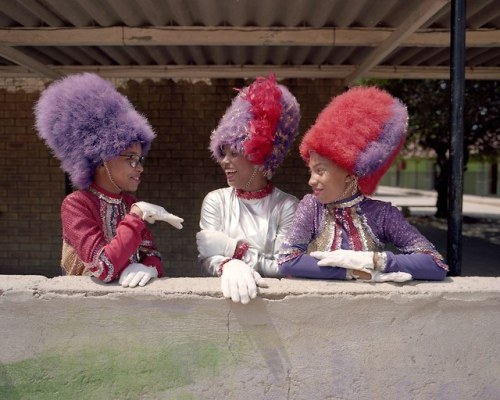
(242, 38)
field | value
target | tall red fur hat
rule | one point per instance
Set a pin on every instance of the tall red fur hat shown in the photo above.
(361, 131)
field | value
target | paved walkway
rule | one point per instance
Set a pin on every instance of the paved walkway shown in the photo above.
(422, 202)
(481, 226)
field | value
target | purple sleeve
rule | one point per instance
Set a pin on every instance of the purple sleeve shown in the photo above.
(305, 266)
(419, 256)
(419, 265)
(294, 260)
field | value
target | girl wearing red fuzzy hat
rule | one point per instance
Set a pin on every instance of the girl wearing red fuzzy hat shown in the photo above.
(242, 226)
(338, 232)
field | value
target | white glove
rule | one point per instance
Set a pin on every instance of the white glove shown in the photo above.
(349, 259)
(152, 213)
(239, 282)
(137, 274)
(391, 277)
(211, 243)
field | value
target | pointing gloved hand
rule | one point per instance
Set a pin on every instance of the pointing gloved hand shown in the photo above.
(152, 213)
(211, 243)
(239, 282)
(137, 274)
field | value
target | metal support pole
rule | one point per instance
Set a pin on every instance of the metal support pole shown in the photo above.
(456, 180)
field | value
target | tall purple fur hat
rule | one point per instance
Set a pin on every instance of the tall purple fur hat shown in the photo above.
(261, 123)
(85, 121)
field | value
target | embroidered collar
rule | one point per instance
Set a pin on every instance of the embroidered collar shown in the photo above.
(104, 195)
(346, 203)
(258, 194)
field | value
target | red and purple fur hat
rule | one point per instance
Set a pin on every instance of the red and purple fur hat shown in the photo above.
(261, 124)
(361, 131)
(85, 121)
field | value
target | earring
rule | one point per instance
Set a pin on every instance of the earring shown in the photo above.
(110, 177)
(251, 178)
(351, 188)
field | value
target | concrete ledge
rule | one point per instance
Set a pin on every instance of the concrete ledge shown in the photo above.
(74, 337)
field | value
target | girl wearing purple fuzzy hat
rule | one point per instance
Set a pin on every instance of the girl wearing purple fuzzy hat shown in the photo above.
(243, 224)
(102, 141)
(338, 232)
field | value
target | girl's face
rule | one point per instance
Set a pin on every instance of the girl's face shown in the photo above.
(123, 173)
(239, 171)
(328, 181)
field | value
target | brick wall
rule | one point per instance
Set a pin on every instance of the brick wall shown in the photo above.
(31, 189)
(178, 174)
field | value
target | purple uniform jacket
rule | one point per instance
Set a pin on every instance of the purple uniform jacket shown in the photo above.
(362, 224)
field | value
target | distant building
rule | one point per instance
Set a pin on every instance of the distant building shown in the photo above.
(481, 177)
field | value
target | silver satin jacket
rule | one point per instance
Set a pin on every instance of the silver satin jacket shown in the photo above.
(261, 223)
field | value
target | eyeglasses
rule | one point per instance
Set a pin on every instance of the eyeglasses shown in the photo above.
(134, 159)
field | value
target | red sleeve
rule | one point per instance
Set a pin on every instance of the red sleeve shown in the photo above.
(125, 243)
(82, 229)
(148, 252)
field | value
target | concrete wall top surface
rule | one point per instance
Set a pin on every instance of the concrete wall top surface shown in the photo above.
(278, 288)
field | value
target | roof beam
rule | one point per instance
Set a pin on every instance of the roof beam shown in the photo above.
(22, 59)
(222, 36)
(425, 11)
(307, 71)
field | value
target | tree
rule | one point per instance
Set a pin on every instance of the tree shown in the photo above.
(428, 103)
